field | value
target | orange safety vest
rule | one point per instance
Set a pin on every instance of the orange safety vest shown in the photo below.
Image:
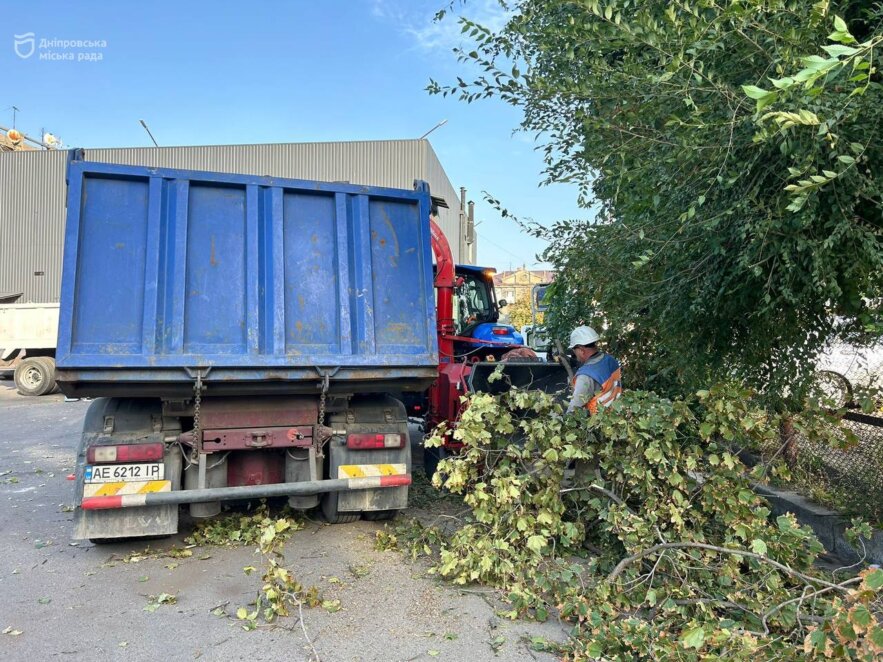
(606, 372)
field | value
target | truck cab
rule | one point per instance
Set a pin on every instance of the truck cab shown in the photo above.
(477, 313)
(535, 334)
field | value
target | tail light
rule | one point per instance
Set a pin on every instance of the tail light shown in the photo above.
(500, 331)
(371, 440)
(125, 453)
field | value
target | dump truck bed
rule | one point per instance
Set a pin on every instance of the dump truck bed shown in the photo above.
(259, 284)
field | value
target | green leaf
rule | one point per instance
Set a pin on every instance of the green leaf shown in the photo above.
(694, 638)
(536, 543)
(874, 579)
(861, 616)
(241, 613)
(758, 546)
(595, 650)
(840, 24)
(836, 50)
(782, 83)
(755, 92)
(845, 158)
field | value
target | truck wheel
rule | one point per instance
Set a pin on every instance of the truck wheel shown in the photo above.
(332, 514)
(35, 376)
(50, 362)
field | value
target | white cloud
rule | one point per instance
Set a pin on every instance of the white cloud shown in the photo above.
(415, 19)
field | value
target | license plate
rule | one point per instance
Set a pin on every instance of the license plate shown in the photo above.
(121, 473)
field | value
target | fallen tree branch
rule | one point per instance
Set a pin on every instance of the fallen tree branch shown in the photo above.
(303, 627)
(610, 495)
(803, 597)
(722, 550)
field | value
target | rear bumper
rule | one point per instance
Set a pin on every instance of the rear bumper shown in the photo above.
(243, 492)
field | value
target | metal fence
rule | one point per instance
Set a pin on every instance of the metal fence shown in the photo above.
(845, 471)
(843, 467)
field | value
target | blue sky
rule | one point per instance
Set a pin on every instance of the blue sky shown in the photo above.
(225, 72)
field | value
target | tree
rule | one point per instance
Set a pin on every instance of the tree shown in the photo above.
(519, 313)
(734, 150)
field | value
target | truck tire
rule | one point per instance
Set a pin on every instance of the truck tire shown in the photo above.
(49, 361)
(35, 376)
(332, 514)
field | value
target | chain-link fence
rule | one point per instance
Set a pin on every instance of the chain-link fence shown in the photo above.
(843, 467)
(845, 471)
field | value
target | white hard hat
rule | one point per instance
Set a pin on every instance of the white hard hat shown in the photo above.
(583, 335)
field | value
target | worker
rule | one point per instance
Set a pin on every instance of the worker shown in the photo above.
(598, 381)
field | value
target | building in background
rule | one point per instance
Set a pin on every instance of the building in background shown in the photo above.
(32, 193)
(516, 285)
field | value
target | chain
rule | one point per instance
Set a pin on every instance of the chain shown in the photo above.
(197, 401)
(322, 396)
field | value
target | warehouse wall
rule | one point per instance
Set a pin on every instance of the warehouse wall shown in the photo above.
(32, 194)
(32, 191)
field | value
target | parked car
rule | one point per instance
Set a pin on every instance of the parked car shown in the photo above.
(845, 367)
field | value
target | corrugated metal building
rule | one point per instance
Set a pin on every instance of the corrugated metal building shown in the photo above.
(32, 192)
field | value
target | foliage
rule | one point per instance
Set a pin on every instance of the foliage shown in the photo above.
(241, 528)
(281, 591)
(732, 149)
(639, 525)
(155, 601)
(518, 312)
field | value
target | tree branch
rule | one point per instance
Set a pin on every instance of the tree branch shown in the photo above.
(722, 550)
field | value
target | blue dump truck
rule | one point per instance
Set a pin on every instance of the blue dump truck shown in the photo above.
(241, 335)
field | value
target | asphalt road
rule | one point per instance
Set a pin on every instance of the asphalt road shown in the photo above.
(72, 600)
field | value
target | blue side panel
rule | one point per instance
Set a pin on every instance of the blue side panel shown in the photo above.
(254, 277)
(312, 298)
(216, 281)
(397, 301)
(114, 235)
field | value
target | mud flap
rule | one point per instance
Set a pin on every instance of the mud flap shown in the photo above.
(120, 421)
(372, 415)
(388, 498)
